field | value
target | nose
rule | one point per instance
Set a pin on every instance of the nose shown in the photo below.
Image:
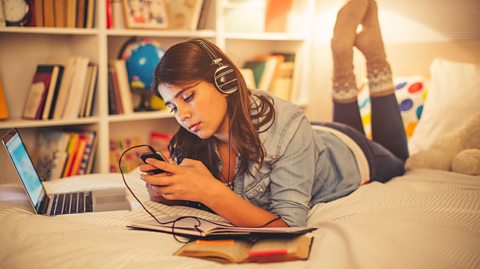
(184, 112)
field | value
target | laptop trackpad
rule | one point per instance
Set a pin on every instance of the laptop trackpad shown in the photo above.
(108, 200)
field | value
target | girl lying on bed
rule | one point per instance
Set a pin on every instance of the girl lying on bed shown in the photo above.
(256, 160)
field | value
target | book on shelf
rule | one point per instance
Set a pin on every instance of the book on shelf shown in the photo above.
(90, 90)
(263, 68)
(117, 18)
(249, 78)
(277, 15)
(71, 13)
(109, 14)
(50, 153)
(89, 154)
(258, 250)
(60, 10)
(130, 160)
(204, 15)
(114, 98)
(37, 13)
(183, 15)
(90, 14)
(77, 155)
(258, 67)
(124, 90)
(52, 93)
(271, 64)
(81, 4)
(64, 153)
(38, 92)
(3, 103)
(2, 15)
(77, 89)
(48, 13)
(274, 72)
(71, 150)
(65, 85)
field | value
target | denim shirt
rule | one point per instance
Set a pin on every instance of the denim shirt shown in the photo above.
(302, 167)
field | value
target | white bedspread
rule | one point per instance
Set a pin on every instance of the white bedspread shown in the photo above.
(425, 219)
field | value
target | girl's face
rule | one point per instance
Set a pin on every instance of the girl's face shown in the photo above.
(199, 107)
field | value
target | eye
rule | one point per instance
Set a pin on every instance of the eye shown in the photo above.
(188, 97)
(172, 108)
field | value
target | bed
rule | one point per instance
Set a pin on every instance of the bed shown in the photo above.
(423, 219)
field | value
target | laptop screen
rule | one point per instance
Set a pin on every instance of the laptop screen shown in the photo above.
(19, 155)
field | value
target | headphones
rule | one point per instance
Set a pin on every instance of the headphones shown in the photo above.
(224, 77)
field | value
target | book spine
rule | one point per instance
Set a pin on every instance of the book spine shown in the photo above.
(48, 13)
(38, 12)
(3, 104)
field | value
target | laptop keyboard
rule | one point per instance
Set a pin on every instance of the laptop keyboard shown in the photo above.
(69, 203)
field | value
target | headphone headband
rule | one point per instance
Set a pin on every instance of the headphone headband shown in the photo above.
(210, 52)
(225, 78)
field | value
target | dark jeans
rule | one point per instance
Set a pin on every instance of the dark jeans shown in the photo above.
(388, 151)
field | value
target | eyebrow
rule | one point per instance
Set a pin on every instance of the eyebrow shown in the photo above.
(182, 91)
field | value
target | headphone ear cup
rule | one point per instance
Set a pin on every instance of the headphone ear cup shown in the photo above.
(226, 79)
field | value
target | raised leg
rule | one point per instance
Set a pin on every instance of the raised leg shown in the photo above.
(344, 85)
(387, 125)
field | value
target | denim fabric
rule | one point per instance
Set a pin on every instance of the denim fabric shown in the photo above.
(383, 165)
(302, 167)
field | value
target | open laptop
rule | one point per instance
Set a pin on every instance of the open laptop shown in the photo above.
(58, 203)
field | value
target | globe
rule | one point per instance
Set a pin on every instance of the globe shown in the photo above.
(141, 57)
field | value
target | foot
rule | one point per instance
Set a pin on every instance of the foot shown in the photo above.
(344, 33)
(348, 18)
(369, 41)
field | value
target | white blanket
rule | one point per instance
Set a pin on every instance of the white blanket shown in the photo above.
(425, 219)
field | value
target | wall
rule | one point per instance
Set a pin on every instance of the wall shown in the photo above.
(414, 34)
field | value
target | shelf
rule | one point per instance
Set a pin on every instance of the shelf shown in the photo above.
(163, 114)
(265, 36)
(159, 33)
(48, 31)
(20, 123)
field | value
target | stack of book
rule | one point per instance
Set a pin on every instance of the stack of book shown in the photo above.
(63, 154)
(273, 72)
(131, 158)
(64, 13)
(62, 90)
(119, 92)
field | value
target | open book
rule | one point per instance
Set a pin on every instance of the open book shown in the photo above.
(200, 227)
(243, 250)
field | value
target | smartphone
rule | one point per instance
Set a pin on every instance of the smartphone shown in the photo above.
(156, 155)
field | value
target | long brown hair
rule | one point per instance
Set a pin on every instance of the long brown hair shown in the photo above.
(185, 63)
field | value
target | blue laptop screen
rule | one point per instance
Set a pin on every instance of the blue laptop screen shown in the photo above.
(25, 169)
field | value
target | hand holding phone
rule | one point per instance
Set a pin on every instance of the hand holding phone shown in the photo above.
(156, 155)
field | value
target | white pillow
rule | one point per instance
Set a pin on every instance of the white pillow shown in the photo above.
(454, 95)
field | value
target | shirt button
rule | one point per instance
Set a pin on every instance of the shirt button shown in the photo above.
(261, 189)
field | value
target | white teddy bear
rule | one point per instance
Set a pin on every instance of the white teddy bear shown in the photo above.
(457, 152)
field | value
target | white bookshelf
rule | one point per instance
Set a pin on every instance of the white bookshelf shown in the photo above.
(22, 48)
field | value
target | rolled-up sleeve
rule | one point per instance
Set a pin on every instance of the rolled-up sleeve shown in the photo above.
(292, 175)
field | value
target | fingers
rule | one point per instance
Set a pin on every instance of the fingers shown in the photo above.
(165, 166)
(161, 192)
(158, 179)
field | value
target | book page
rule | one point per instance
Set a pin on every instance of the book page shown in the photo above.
(221, 250)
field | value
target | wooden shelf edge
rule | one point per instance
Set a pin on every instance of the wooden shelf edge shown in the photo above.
(162, 114)
(48, 31)
(20, 123)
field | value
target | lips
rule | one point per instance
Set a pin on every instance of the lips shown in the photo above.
(194, 127)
